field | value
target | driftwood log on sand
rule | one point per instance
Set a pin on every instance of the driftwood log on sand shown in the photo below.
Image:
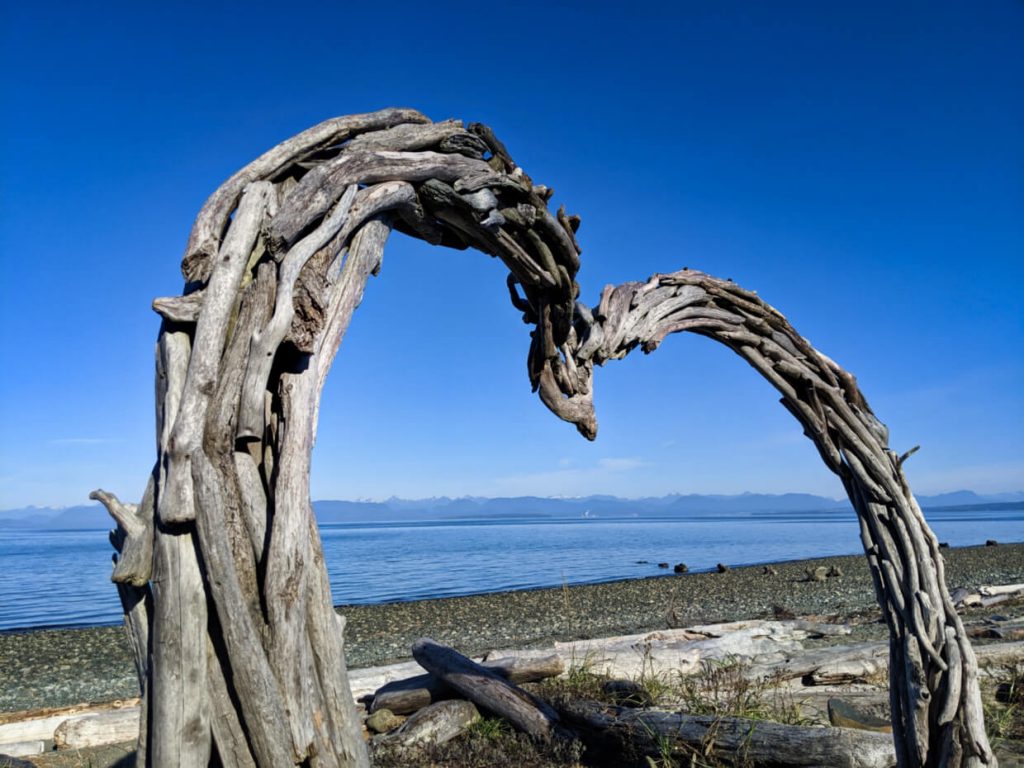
(486, 688)
(43, 725)
(437, 723)
(762, 649)
(21, 749)
(414, 693)
(684, 650)
(985, 596)
(94, 730)
(621, 730)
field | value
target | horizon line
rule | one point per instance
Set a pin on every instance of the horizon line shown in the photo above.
(369, 500)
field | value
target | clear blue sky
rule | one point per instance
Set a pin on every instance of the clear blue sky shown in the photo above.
(859, 164)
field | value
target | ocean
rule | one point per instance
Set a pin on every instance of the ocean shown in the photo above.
(61, 578)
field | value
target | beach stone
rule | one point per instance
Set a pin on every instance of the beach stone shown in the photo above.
(770, 570)
(1009, 693)
(991, 543)
(843, 714)
(9, 761)
(835, 572)
(627, 693)
(722, 568)
(816, 574)
(782, 613)
(681, 568)
(383, 720)
(943, 545)
(1010, 634)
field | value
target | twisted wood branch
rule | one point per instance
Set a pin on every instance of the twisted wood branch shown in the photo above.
(243, 651)
(937, 719)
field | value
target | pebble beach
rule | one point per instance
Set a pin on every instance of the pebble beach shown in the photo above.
(54, 668)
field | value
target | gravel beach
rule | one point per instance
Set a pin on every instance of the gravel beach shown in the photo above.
(52, 668)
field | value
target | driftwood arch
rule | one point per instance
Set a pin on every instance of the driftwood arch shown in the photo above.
(238, 648)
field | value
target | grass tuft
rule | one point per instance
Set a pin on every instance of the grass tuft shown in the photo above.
(1003, 701)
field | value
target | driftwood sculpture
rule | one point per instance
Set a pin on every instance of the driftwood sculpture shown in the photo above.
(220, 568)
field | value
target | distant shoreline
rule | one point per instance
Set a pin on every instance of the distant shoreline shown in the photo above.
(472, 509)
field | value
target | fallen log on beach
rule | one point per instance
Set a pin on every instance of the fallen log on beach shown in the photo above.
(93, 730)
(764, 649)
(832, 665)
(436, 724)
(621, 730)
(486, 689)
(411, 694)
(43, 724)
(682, 651)
(984, 596)
(403, 697)
(20, 749)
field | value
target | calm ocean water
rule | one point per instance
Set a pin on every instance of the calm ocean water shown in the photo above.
(61, 578)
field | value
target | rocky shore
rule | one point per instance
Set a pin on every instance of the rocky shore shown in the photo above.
(52, 668)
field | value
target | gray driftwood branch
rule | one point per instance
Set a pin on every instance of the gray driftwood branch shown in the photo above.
(239, 647)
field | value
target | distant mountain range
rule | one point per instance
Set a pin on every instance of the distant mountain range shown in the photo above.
(526, 507)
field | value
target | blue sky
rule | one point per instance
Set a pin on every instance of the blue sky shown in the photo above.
(859, 164)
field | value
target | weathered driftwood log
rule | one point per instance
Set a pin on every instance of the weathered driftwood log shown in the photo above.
(411, 694)
(985, 596)
(844, 664)
(738, 740)
(486, 689)
(684, 650)
(244, 656)
(520, 670)
(39, 724)
(438, 723)
(991, 657)
(761, 650)
(831, 665)
(404, 697)
(133, 567)
(16, 749)
(110, 727)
